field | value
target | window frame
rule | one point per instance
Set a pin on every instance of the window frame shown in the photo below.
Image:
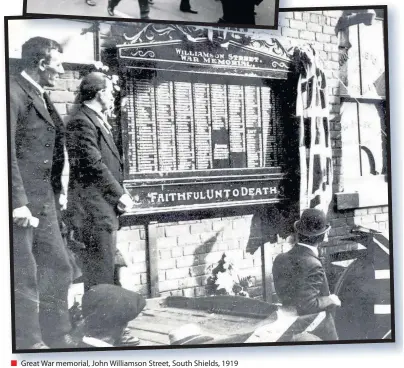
(371, 190)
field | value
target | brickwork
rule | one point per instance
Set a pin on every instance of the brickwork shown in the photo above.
(200, 244)
(131, 242)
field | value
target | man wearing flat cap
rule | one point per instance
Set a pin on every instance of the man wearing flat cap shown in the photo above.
(107, 310)
(299, 277)
(96, 179)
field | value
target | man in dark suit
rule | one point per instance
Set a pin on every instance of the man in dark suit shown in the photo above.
(95, 179)
(107, 310)
(299, 276)
(42, 272)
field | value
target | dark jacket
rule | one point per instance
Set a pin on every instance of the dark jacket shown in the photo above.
(37, 144)
(300, 281)
(95, 171)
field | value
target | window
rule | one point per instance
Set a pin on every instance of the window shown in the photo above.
(363, 110)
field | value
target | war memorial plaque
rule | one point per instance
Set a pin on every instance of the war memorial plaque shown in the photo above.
(203, 123)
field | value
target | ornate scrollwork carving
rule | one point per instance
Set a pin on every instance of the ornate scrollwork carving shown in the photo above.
(153, 33)
(141, 53)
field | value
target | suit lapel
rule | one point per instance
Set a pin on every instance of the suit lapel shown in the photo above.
(35, 97)
(107, 137)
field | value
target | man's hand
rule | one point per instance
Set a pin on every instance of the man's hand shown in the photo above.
(63, 201)
(22, 216)
(335, 300)
(125, 203)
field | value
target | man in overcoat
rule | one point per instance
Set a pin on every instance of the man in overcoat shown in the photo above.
(96, 179)
(299, 277)
(42, 272)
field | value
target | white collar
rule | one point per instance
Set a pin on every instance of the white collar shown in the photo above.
(313, 249)
(101, 115)
(96, 342)
(35, 84)
(99, 112)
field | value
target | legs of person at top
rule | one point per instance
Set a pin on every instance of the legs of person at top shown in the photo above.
(144, 9)
(111, 6)
(185, 7)
(143, 6)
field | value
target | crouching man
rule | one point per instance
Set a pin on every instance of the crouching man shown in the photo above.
(107, 310)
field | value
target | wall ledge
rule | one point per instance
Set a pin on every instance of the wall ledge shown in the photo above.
(362, 199)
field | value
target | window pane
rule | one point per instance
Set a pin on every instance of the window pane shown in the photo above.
(350, 139)
(350, 70)
(372, 59)
(371, 121)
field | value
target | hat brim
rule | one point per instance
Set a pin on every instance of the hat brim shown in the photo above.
(196, 339)
(307, 233)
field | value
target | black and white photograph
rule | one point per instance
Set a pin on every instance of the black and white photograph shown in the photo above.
(179, 185)
(262, 13)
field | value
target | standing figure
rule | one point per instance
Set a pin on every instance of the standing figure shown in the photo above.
(95, 179)
(143, 6)
(299, 277)
(42, 272)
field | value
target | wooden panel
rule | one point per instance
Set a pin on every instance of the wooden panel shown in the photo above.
(246, 307)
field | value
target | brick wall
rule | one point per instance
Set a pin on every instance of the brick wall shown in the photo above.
(64, 92)
(186, 250)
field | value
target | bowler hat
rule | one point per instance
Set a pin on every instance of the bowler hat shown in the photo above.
(188, 334)
(107, 306)
(313, 222)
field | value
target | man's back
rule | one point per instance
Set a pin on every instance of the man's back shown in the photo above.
(300, 280)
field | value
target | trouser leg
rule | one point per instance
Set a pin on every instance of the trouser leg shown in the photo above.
(113, 3)
(54, 277)
(99, 258)
(144, 9)
(185, 5)
(26, 299)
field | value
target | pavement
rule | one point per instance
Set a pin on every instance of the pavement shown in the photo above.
(208, 10)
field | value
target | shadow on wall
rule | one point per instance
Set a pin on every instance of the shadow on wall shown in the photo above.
(205, 248)
(276, 222)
